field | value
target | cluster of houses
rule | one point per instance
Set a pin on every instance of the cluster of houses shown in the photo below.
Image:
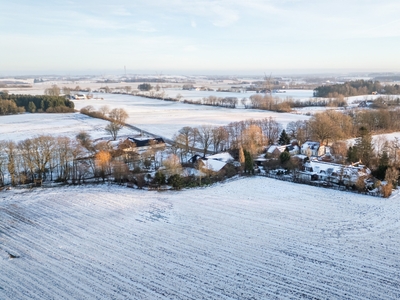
(309, 149)
(317, 161)
(318, 165)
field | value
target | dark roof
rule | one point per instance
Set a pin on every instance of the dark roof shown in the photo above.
(194, 158)
(144, 143)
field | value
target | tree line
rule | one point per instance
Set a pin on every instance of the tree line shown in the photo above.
(251, 135)
(355, 88)
(267, 102)
(14, 104)
(227, 102)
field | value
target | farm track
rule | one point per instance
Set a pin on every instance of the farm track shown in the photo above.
(254, 238)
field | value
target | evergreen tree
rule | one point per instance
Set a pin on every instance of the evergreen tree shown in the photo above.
(176, 181)
(364, 147)
(380, 172)
(31, 107)
(248, 162)
(352, 155)
(159, 178)
(284, 138)
(284, 157)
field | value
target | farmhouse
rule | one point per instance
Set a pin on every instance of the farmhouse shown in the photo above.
(336, 173)
(135, 144)
(215, 163)
(312, 148)
(211, 165)
(79, 97)
(275, 150)
(223, 156)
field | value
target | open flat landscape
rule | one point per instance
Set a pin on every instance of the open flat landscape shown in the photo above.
(124, 200)
(165, 118)
(274, 240)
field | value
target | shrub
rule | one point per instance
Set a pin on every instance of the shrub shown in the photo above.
(176, 181)
(159, 178)
(386, 190)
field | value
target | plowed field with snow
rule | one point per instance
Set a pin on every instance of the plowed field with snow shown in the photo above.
(252, 238)
(24, 126)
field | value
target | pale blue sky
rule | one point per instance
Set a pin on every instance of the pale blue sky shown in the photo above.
(181, 36)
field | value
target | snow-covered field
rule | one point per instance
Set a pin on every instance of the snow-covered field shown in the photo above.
(197, 95)
(20, 127)
(228, 241)
(166, 118)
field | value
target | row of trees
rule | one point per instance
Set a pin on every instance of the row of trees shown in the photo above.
(355, 88)
(332, 125)
(55, 90)
(76, 161)
(116, 116)
(227, 102)
(267, 102)
(42, 156)
(252, 135)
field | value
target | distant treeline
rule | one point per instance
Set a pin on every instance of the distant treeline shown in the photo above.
(227, 102)
(267, 102)
(14, 104)
(355, 88)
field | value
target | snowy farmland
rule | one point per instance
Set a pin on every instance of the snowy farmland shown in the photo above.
(165, 118)
(20, 127)
(198, 95)
(222, 242)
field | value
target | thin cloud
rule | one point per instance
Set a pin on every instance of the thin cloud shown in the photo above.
(121, 12)
(190, 48)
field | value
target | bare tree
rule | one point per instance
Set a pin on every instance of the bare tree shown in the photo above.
(53, 91)
(330, 126)
(322, 128)
(113, 128)
(63, 156)
(3, 162)
(394, 147)
(253, 139)
(185, 138)
(178, 96)
(85, 140)
(104, 110)
(66, 90)
(11, 152)
(339, 150)
(381, 144)
(118, 115)
(42, 149)
(172, 165)
(205, 137)
(102, 161)
(220, 137)
(271, 129)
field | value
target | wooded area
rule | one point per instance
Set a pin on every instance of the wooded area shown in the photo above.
(355, 88)
(14, 104)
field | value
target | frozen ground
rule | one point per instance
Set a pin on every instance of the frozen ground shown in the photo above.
(20, 127)
(166, 118)
(228, 241)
